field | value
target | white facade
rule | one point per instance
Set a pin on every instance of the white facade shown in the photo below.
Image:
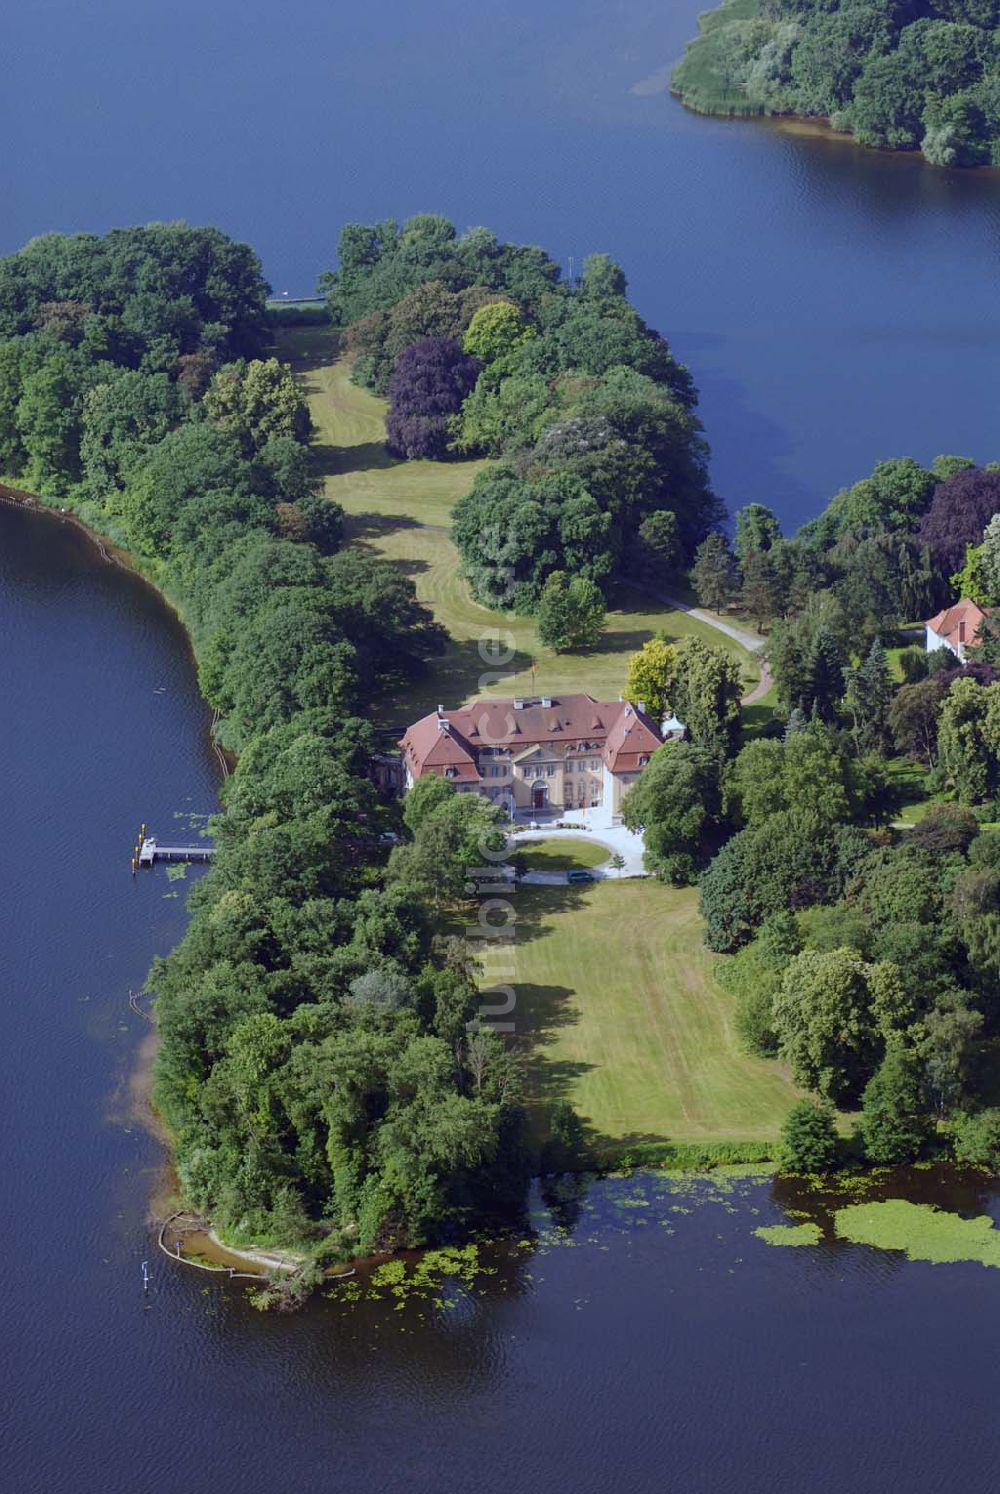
(935, 641)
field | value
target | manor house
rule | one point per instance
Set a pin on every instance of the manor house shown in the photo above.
(536, 756)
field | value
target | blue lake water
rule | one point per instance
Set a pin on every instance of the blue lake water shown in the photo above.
(836, 306)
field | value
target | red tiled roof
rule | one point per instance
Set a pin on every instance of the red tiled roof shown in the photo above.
(631, 737)
(948, 624)
(428, 745)
(627, 732)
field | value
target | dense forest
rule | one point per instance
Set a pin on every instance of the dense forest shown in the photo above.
(896, 74)
(848, 854)
(317, 1068)
(482, 348)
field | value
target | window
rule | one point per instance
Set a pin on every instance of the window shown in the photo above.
(643, 761)
(570, 765)
(595, 764)
(449, 772)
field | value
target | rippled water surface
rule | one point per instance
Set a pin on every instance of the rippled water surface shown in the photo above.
(836, 306)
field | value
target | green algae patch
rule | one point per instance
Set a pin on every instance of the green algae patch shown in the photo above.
(923, 1232)
(790, 1234)
(426, 1278)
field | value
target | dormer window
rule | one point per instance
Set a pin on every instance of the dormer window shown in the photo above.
(643, 761)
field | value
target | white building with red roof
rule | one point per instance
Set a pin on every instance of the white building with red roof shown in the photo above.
(536, 756)
(956, 628)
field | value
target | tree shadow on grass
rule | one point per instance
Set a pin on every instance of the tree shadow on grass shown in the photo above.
(368, 456)
(307, 348)
(761, 720)
(614, 641)
(544, 1010)
(458, 673)
(359, 528)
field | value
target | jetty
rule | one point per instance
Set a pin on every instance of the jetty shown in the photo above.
(148, 852)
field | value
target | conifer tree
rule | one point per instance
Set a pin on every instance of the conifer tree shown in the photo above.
(824, 674)
(868, 696)
(714, 572)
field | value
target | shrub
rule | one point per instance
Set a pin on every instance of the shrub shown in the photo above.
(977, 1139)
(914, 665)
(808, 1138)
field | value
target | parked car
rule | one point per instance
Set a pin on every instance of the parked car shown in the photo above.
(580, 876)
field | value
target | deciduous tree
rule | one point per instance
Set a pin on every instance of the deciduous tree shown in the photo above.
(652, 677)
(570, 613)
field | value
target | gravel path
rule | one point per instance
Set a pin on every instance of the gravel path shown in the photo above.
(745, 637)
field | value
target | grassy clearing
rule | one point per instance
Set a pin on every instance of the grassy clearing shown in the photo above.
(402, 510)
(621, 1016)
(910, 781)
(349, 435)
(561, 855)
(763, 717)
(921, 1231)
(461, 674)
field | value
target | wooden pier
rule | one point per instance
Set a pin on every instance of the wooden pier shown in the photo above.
(148, 852)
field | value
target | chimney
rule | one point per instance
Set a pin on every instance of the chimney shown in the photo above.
(546, 701)
(519, 705)
(642, 706)
(440, 710)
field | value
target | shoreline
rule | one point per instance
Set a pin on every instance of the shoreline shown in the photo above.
(818, 127)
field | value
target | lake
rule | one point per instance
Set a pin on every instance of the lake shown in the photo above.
(836, 306)
(633, 1335)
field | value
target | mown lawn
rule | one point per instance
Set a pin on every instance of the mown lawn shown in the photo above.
(620, 1015)
(560, 855)
(402, 510)
(349, 435)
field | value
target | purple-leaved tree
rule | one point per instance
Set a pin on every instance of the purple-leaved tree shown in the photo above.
(960, 510)
(431, 379)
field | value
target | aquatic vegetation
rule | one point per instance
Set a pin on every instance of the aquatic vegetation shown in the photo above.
(790, 1234)
(923, 1232)
(422, 1279)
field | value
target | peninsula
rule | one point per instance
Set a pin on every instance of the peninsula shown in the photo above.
(342, 1068)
